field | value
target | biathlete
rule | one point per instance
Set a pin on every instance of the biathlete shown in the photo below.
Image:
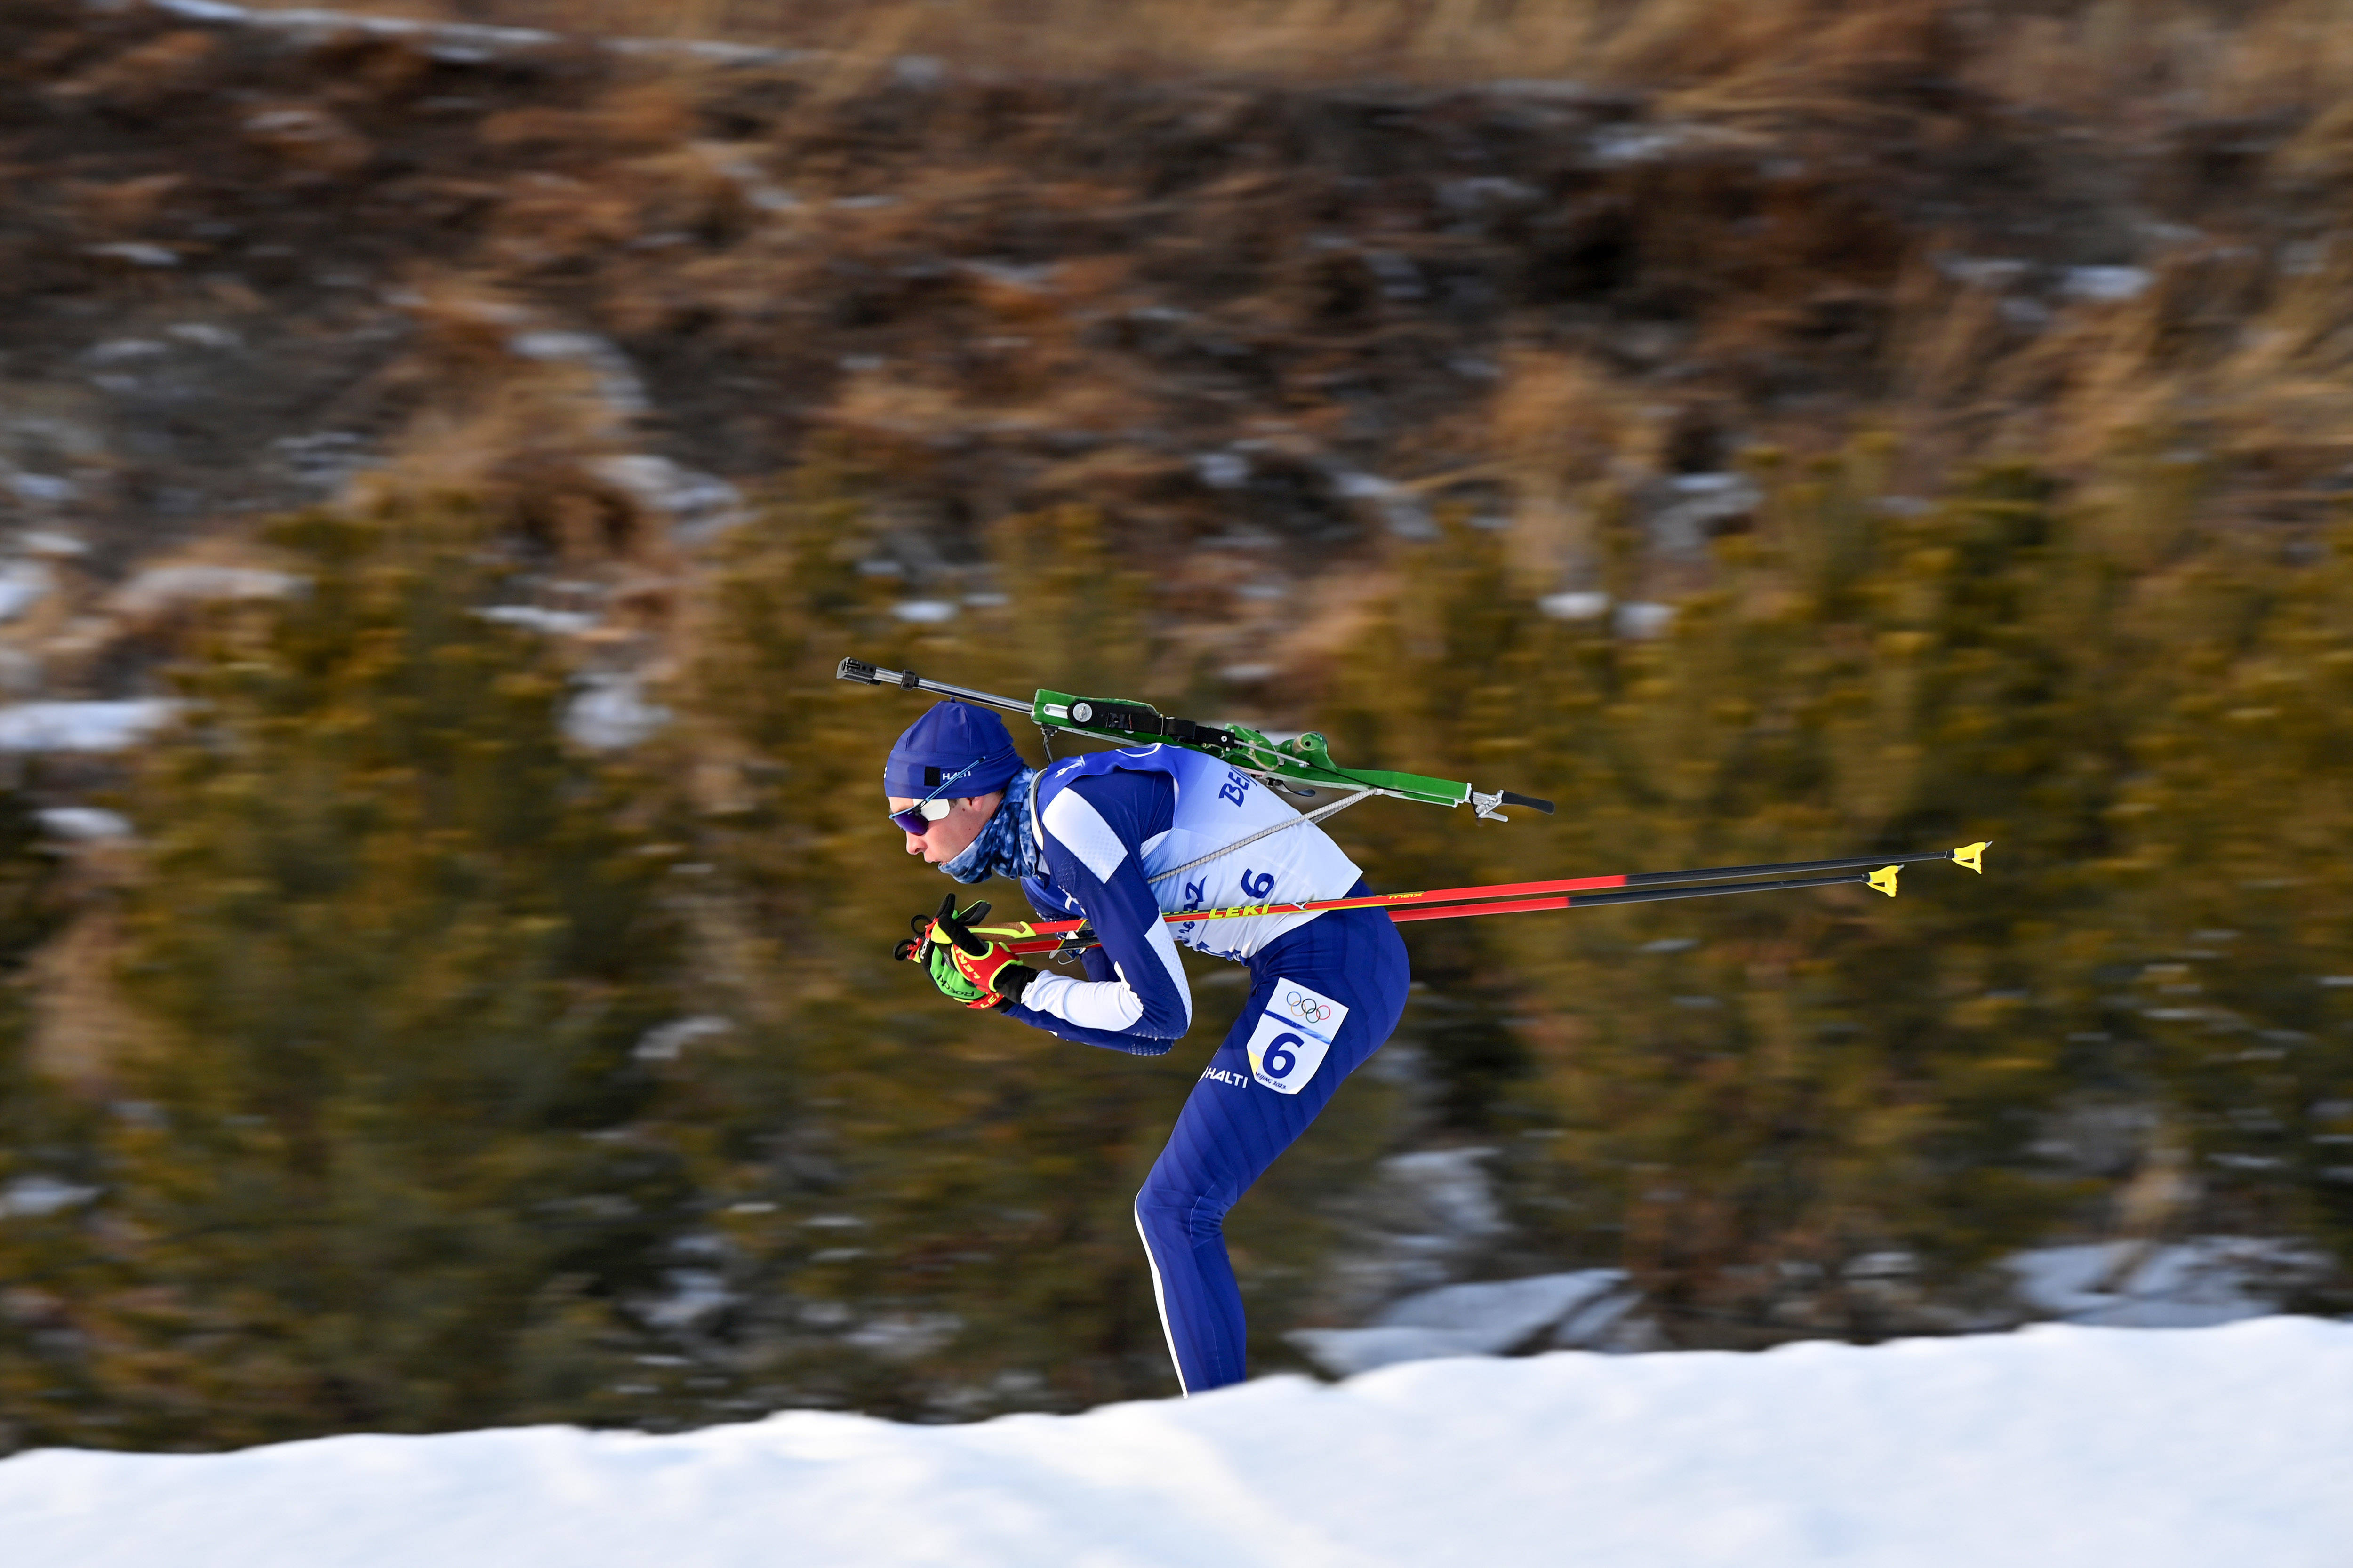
(1095, 837)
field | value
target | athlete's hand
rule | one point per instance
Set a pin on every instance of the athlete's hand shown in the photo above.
(1002, 976)
(934, 945)
(965, 966)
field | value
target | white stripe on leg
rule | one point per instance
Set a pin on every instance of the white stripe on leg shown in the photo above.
(1160, 1298)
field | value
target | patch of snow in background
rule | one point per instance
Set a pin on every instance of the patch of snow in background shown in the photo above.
(198, 10)
(699, 505)
(1996, 272)
(1028, 278)
(309, 20)
(34, 1196)
(84, 824)
(42, 489)
(1635, 619)
(1399, 277)
(665, 1042)
(1401, 509)
(205, 335)
(924, 612)
(2056, 1447)
(1576, 606)
(166, 587)
(1690, 505)
(2197, 1283)
(1222, 470)
(81, 726)
(122, 351)
(906, 1336)
(135, 253)
(2105, 285)
(23, 585)
(610, 714)
(617, 379)
(695, 1294)
(464, 41)
(1428, 1211)
(556, 623)
(1454, 1184)
(1475, 1320)
(1617, 146)
(323, 459)
(712, 49)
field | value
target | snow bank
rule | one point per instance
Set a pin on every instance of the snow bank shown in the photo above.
(2051, 1448)
(81, 726)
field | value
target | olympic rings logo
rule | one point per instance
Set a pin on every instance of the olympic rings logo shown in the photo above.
(1307, 1008)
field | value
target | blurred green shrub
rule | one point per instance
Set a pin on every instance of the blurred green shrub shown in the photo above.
(1733, 1095)
(392, 946)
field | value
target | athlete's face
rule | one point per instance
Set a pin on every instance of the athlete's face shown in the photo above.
(952, 835)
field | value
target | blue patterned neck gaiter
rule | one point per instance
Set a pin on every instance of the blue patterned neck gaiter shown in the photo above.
(1006, 846)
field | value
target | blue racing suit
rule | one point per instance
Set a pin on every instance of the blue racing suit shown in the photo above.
(1325, 992)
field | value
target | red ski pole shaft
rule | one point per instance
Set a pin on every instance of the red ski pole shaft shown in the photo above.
(1640, 886)
(1627, 896)
(1884, 879)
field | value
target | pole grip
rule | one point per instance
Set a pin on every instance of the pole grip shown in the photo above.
(1531, 802)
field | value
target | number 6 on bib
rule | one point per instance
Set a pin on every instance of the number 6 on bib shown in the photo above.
(1298, 1027)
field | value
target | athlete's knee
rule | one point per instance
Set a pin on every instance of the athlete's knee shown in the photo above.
(1170, 1204)
(1162, 1196)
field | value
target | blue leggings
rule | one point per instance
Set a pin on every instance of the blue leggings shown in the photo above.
(1233, 1126)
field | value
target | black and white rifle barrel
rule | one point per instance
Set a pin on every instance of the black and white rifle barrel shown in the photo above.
(857, 669)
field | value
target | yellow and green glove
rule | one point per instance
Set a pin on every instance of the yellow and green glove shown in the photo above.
(965, 966)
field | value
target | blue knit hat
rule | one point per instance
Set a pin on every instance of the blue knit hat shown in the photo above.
(951, 736)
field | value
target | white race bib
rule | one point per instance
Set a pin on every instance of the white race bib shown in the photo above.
(1297, 1027)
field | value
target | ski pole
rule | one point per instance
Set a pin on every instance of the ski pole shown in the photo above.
(1970, 855)
(1883, 880)
(1579, 892)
